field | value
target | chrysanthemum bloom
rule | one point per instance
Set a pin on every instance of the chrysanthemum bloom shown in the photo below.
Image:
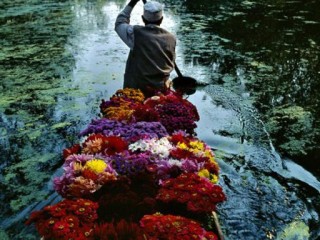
(76, 220)
(158, 147)
(96, 165)
(122, 104)
(200, 195)
(175, 112)
(122, 230)
(200, 152)
(108, 145)
(131, 164)
(158, 226)
(146, 114)
(130, 132)
(83, 176)
(75, 149)
(132, 94)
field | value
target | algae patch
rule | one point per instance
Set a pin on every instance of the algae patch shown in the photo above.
(295, 231)
(35, 64)
(61, 125)
(292, 129)
(3, 235)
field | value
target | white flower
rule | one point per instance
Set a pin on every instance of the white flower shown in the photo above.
(175, 162)
(158, 147)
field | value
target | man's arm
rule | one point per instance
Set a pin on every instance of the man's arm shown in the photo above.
(122, 25)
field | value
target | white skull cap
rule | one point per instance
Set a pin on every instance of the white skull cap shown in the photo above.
(152, 11)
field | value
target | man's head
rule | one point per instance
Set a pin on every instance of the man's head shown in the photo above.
(152, 13)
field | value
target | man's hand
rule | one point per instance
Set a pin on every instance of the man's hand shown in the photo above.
(132, 3)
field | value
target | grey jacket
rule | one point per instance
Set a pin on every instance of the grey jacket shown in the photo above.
(152, 53)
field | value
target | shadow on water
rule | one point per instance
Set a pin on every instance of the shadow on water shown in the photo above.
(60, 59)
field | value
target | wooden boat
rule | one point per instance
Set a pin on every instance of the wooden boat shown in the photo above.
(137, 166)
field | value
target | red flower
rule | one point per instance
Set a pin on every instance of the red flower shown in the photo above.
(61, 228)
(98, 143)
(121, 230)
(197, 193)
(146, 114)
(179, 153)
(172, 227)
(56, 210)
(115, 145)
(75, 220)
(75, 149)
(175, 112)
(178, 138)
(88, 174)
(212, 167)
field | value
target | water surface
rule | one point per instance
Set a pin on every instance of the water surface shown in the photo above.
(60, 58)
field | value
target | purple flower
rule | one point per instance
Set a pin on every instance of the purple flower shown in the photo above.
(131, 163)
(129, 131)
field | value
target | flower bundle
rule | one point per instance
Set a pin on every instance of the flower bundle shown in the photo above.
(128, 198)
(140, 158)
(121, 104)
(176, 154)
(170, 227)
(69, 219)
(122, 230)
(128, 131)
(98, 143)
(198, 193)
(131, 164)
(84, 174)
(175, 113)
(195, 153)
(170, 109)
(158, 147)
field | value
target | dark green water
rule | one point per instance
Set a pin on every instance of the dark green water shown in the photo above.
(59, 58)
(267, 51)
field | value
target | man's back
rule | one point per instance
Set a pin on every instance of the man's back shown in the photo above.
(152, 49)
(152, 58)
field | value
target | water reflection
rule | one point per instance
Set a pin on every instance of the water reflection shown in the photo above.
(265, 50)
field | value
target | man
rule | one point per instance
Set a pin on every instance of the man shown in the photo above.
(152, 49)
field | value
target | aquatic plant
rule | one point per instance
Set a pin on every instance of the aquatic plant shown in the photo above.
(34, 66)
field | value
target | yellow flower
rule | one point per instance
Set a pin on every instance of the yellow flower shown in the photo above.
(182, 146)
(209, 154)
(197, 146)
(204, 173)
(134, 94)
(96, 165)
(214, 178)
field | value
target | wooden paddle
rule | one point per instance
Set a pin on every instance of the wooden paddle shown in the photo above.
(183, 84)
